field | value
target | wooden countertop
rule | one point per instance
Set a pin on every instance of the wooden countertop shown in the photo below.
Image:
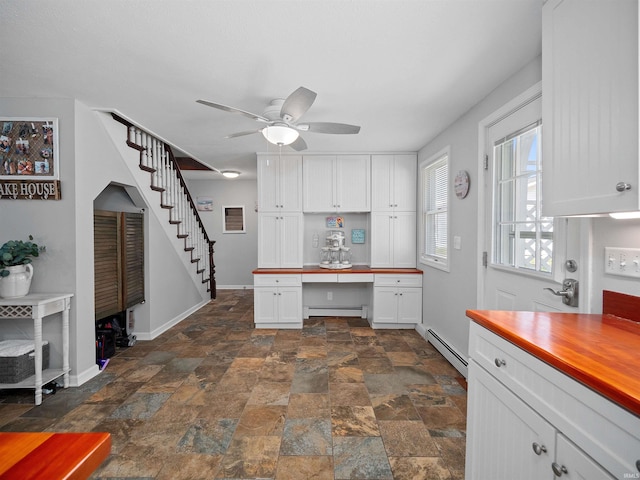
(52, 455)
(600, 351)
(355, 269)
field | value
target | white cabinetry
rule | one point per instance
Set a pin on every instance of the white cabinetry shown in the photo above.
(397, 301)
(337, 183)
(393, 183)
(526, 420)
(280, 238)
(277, 301)
(393, 239)
(280, 183)
(590, 106)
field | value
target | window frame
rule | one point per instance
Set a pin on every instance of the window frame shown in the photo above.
(432, 162)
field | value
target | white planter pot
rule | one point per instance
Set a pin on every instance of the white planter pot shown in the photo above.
(18, 282)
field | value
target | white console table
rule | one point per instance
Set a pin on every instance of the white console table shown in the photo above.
(37, 306)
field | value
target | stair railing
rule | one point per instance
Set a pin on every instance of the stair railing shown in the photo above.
(156, 157)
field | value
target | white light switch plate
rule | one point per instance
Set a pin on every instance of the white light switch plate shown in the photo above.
(622, 261)
(457, 242)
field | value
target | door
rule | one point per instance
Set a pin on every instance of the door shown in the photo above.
(318, 183)
(524, 250)
(353, 180)
(404, 239)
(578, 465)
(385, 304)
(268, 240)
(410, 305)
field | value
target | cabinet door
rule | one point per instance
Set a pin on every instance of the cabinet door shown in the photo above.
(353, 183)
(268, 184)
(290, 240)
(318, 183)
(405, 182)
(269, 240)
(290, 183)
(579, 465)
(504, 434)
(289, 304)
(265, 300)
(410, 305)
(590, 106)
(382, 167)
(404, 239)
(385, 305)
(381, 240)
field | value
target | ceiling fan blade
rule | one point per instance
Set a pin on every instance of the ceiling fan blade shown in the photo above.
(299, 144)
(242, 134)
(226, 108)
(329, 127)
(297, 104)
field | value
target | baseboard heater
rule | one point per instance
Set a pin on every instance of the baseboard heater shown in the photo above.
(454, 358)
(334, 312)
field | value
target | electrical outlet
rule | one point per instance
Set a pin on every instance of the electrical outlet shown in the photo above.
(329, 295)
(622, 261)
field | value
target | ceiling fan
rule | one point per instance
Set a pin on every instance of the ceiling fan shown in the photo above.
(281, 117)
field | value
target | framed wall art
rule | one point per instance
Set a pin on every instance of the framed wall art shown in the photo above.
(29, 149)
(29, 160)
(233, 220)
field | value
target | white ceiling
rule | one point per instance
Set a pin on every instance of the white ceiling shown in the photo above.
(401, 69)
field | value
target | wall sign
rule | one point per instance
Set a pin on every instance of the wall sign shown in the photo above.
(30, 189)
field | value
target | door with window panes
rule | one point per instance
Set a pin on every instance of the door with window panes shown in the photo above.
(521, 245)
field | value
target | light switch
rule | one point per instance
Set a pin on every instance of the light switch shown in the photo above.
(457, 242)
(622, 261)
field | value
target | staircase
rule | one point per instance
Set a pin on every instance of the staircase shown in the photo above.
(157, 158)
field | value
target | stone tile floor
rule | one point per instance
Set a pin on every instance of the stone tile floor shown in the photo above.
(214, 398)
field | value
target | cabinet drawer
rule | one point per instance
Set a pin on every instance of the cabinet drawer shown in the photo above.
(277, 280)
(605, 431)
(319, 277)
(385, 280)
(355, 278)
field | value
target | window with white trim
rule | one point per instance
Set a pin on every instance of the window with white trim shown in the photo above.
(522, 238)
(434, 250)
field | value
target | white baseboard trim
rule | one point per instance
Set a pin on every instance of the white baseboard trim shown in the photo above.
(171, 323)
(88, 374)
(448, 352)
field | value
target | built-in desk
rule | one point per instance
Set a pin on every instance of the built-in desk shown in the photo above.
(394, 298)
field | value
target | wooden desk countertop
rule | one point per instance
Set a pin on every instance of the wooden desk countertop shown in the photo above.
(49, 455)
(355, 269)
(600, 351)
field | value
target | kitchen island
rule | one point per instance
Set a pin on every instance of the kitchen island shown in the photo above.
(554, 394)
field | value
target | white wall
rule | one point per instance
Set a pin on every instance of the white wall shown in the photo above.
(236, 254)
(446, 295)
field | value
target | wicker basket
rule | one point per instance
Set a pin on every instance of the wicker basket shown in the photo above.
(16, 369)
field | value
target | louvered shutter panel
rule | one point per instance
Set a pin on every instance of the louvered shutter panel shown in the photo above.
(108, 294)
(133, 259)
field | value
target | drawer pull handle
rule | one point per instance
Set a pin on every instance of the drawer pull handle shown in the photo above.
(539, 449)
(558, 470)
(500, 362)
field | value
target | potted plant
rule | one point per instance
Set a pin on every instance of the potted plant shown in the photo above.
(16, 270)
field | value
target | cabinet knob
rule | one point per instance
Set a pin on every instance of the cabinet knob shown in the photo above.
(638, 465)
(622, 186)
(558, 470)
(538, 449)
(500, 362)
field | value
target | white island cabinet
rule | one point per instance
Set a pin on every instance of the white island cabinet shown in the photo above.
(590, 107)
(527, 420)
(336, 183)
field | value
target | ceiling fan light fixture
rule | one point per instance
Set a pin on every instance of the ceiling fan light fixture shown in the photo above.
(230, 174)
(280, 134)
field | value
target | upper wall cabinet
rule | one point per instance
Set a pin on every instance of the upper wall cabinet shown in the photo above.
(337, 183)
(590, 106)
(393, 183)
(280, 183)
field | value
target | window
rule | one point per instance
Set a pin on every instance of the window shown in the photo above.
(522, 238)
(435, 214)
